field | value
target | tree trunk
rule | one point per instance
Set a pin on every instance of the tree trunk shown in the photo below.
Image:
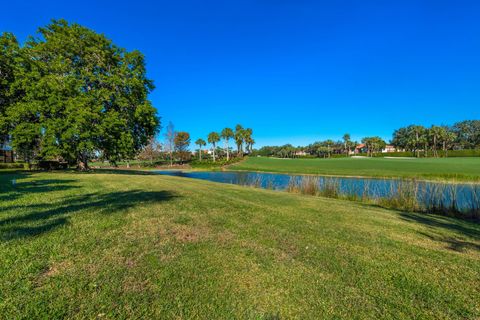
(83, 165)
(228, 153)
(200, 154)
(213, 153)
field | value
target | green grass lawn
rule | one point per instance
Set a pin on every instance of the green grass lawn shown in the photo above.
(462, 169)
(130, 245)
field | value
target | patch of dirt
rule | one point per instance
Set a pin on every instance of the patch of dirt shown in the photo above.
(51, 271)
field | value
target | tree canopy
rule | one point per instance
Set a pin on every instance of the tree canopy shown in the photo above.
(83, 95)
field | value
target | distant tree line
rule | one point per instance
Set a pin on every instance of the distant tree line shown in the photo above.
(323, 149)
(72, 95)
(419, 139)
(241, 136)
(434, 141)
(176, 146)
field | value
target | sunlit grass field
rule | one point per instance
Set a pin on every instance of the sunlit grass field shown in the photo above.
(138, 245)
(461, 169)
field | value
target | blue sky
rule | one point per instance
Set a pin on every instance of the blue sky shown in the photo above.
(295, 71)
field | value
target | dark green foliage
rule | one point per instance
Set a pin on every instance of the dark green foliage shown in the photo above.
(9, 59)
(467, 133)
(182, 141)
(374, 145)
(51, 165)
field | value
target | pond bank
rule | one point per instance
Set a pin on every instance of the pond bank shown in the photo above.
(461, 200)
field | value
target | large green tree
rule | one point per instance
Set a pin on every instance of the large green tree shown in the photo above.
(467, 133)
(373, 144)
(19, 120)
(83, 96)
(9, 62)
(182, 142)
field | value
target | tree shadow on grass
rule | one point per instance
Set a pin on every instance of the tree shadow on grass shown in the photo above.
(452, 243)
(39, 220)
(462, 234)
(9, 192)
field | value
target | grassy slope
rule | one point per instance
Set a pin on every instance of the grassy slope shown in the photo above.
(128, 246)
(429, 168)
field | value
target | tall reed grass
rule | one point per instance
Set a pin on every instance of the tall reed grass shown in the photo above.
(405, 195)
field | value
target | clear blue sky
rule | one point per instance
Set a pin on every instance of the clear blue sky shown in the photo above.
(294, 70)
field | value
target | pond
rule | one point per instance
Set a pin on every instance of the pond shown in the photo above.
(433, 195)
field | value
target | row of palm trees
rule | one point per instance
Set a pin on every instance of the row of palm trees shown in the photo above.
(242, 137)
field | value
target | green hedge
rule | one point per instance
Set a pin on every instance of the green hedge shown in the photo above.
(463, 153)
(12, 166)
(450, 154)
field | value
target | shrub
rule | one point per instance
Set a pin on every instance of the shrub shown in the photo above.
(12, 166)
(52, 165)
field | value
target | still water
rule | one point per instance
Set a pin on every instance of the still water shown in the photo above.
(463, 196)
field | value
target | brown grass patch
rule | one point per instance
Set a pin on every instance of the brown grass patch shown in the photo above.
(188, 234)
(132, 284)
(52, 270)
(225, 237)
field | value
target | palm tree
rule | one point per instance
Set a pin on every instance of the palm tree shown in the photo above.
(416, 138)
(347, 142)
(329, 143)
(226, 134)
(435, 134)
(200, 143)
(213, 138)
(247, 137)
(250, 143)
(447, 140)
(239, 137)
